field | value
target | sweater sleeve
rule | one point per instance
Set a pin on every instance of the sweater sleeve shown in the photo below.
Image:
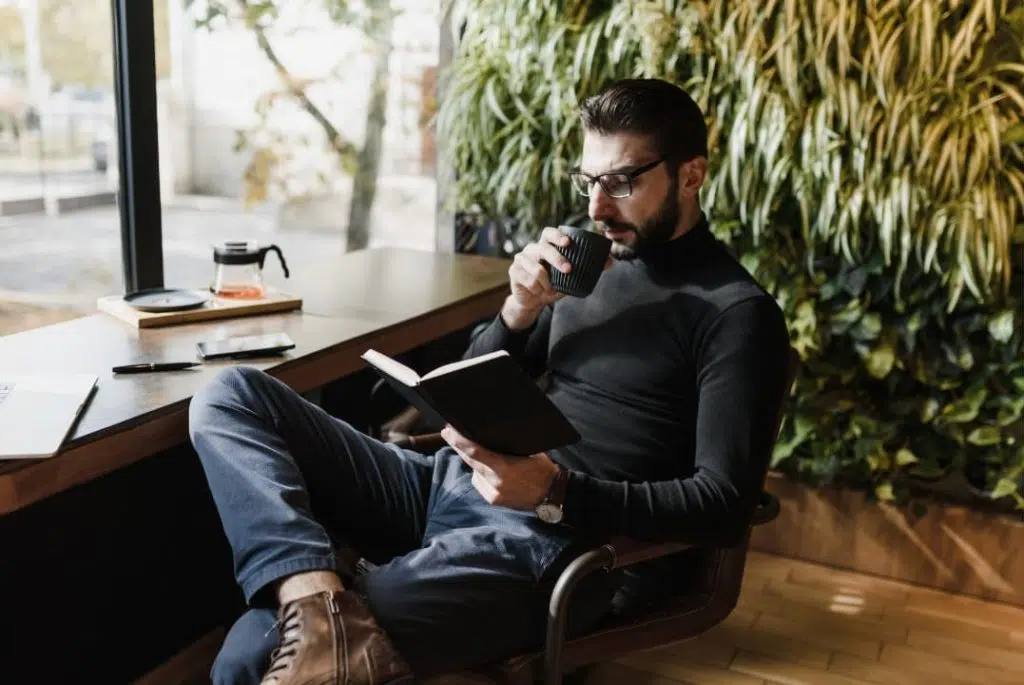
(529, 346)
(741, 369)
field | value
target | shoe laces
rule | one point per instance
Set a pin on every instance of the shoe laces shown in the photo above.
(280, 658)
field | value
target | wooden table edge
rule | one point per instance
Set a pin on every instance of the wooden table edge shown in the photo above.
(167, 426)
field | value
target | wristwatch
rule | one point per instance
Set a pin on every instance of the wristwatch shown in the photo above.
(550, 508)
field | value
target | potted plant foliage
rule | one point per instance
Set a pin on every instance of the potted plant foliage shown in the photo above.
(867, 166)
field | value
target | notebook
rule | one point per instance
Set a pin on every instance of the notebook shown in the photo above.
(38, 411)
(489, 399)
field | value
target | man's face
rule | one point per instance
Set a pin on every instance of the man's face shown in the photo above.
(650, 215)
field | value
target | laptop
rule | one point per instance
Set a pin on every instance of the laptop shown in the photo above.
(38, 411)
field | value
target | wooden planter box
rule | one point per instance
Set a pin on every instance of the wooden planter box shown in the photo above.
(950, 547)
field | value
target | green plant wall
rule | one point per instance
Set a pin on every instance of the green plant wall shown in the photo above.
(867, 164)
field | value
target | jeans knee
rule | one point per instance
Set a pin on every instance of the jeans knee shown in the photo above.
(230, 386)
(245, 654)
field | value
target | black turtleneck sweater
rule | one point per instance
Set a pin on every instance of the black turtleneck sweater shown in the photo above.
(672, 371)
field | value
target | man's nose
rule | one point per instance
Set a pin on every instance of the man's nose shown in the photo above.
(602, 205)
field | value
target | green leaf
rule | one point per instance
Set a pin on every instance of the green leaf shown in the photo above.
(877, 461)
(1004, 488)
(880, 361)
(750, 261)
(1010, 411)
(905, 456)
(254, 12)
(802, 429)
(1000, 326)
(928, 469)
(985, 435)
(966, 408)
(846, 317)
(929, 409)
(883, 491)
(868, 328)
(1014, 134)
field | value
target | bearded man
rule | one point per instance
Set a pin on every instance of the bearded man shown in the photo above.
(671, 370)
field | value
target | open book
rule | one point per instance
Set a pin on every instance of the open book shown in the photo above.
(490, 399)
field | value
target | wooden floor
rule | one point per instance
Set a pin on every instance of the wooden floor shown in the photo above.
(802, 624)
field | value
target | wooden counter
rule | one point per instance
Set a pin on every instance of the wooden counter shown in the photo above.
(390, 299)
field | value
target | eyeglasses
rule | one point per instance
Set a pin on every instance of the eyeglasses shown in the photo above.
(618, 184)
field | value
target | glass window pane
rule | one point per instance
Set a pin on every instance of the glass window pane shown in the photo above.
(59, 223)
(268, 134)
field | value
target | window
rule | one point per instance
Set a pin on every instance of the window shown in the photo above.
(269, 121)
(270, 130)
(59, 223)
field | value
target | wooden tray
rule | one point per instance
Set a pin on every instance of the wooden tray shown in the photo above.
(216, 308)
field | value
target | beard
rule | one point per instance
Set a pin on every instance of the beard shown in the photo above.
(652, 232)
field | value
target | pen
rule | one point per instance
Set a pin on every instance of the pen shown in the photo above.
(154, 366)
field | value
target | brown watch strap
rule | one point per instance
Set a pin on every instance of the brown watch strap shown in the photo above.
(556, 493)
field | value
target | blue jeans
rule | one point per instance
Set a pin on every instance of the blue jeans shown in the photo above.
(460, 583)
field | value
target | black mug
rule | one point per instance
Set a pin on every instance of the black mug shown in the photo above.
(587, 252)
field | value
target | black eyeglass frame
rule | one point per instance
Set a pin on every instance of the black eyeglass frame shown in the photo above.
(628, 176)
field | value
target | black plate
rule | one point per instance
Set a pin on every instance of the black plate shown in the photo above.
(166, 300)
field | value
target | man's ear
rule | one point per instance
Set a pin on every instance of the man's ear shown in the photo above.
(691, 176)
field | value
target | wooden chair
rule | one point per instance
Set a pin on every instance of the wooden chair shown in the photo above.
(699, 606)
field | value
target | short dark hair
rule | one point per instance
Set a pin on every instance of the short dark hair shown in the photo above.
(651, 107)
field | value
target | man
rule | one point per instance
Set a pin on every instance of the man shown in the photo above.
(672, 371)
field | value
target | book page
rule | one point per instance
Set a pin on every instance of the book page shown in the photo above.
(464, 363)
(400, 372)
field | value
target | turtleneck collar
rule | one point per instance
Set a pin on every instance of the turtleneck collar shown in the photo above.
(688, 245)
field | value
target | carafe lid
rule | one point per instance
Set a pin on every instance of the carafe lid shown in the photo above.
(238, 252)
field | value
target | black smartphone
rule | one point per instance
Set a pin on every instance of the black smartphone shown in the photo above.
(245, 346)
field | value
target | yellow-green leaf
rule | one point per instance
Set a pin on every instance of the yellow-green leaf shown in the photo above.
(1000, 326)
(884, 492)
(966, 408)
(1004, 487)
(985, 435)
(1014, 134)
(880, 360)
(905, 456)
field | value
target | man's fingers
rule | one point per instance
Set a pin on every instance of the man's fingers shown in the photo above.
(543, 251)
(552, 235)
(530, 276)
(472, 453)
(482, 470)
(480, 459)
(486, 490)
(552, 256)
(451, 436)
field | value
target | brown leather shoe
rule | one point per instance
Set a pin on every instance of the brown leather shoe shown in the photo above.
(331, 638)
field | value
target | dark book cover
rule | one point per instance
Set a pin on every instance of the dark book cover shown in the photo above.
(489, 399)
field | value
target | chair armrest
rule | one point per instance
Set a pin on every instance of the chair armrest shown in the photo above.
(425, 442)
(620, 552)
(627, 552)
(767, 509)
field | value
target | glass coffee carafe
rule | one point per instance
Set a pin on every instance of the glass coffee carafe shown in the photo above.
(238, 271)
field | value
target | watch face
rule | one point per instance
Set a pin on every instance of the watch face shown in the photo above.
(549, 513)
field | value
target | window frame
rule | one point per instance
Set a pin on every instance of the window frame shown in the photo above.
(138, 149)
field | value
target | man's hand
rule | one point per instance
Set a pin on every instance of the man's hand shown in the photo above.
(514, 482)
(529, 280)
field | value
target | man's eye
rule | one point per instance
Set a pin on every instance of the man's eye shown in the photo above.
(616, 185)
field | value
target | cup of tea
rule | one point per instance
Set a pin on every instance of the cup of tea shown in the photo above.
(587, 251)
